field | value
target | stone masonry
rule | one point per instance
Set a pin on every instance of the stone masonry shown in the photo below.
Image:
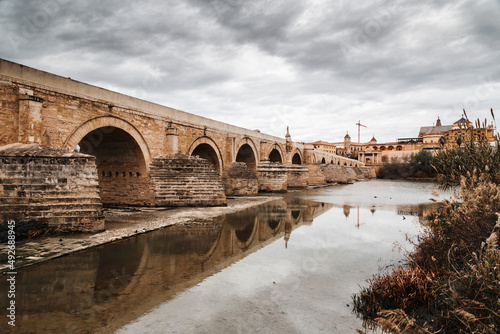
(297, 177)
(239, 180)
(183, 180)
(272, 177)
(57, 187)
(316, 175)
(339, 174)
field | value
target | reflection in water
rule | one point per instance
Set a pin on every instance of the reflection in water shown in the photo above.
(421, 211)
(102, 289)
(304, 288)
(295, 214)
(244, 232)
(347, 210)
(207, 277)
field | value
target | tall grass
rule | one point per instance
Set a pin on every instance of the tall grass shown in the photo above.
(474, 156)
(451, 282)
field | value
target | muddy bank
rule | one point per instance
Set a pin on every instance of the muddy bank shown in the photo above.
(122, 223)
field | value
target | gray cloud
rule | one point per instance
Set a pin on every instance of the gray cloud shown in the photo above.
(316, 65)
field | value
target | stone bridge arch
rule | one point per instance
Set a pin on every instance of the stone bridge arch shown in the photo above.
(247, 153)
(276, 154)
(206, 148)
(82, 130)
(122, 159)
(297, 158)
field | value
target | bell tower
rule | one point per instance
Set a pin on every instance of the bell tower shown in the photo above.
(347, 144)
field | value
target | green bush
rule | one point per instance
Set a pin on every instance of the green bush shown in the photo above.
(418, 166)
(474, 157)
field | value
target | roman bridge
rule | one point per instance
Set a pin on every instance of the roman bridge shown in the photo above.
(145, 153)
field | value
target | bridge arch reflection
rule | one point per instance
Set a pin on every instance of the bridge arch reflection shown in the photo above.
(138, 274)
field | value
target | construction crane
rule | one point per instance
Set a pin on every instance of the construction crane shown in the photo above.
(359, 129)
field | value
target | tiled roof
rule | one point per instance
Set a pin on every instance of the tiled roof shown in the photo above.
(425, 130)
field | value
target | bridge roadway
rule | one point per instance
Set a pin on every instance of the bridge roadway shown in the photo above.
(133, 140)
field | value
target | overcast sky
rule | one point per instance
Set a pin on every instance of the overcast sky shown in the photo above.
(318, 66)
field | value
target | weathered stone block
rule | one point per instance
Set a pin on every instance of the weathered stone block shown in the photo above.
(239, 180)
(316, 175)
(67, 199)
(183, 180)
(272, 177)
(343, 174)
(298, 177)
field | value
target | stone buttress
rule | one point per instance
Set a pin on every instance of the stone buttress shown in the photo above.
(51, 186)
(297, 177)
(239, 180)
(272, 177)
(183, 180)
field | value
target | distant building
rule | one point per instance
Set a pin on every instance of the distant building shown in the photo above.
(429, 138)
(324, 146)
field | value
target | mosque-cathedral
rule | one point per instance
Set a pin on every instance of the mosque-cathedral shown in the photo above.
(433, 137)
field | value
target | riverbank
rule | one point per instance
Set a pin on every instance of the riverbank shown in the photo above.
(123, 223)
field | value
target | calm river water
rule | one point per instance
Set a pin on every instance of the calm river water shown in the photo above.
(288, 266)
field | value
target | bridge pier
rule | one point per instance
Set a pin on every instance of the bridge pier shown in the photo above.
(239, 180)
(30, 119)
(183, 180)
(272, 177)
(56, 187)
(297, 177)
(172, 139)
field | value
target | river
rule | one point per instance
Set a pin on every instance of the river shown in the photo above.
(288, 266)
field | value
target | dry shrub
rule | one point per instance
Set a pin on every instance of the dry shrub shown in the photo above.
(451, 283)
(459, 227)
(406, 288)
(397, 321)
(475, 155)
(472, 294)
